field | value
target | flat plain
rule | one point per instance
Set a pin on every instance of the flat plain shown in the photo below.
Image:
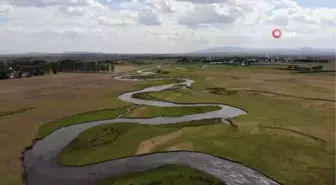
(288, 133)
(46, 99)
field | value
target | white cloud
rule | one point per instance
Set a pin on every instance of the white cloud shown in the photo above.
(203, 15)
(161, 5)
(74, 11)
(46, 3)
(149, 17)
(205, 1)
(174, 25)
(5, 9)
(119, 21)
(278, 19)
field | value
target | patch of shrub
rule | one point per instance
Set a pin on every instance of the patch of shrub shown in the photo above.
(221, 91)
(145, 96)
(162, 71)
(319, 67)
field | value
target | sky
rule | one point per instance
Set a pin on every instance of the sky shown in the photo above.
(163, 26)
(317, 3)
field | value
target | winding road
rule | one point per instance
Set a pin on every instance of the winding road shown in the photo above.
(41, 166)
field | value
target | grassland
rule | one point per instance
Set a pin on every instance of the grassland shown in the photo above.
(48, 128)
(151, 111)
(51, 98)
(275, 137)
(165, 175)
(149, 83)
(11, 112)
(100, 143)
(288, 133)
(140, 111)
(287, 156)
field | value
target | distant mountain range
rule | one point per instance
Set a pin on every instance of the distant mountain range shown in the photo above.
(215, 51)
(269, 51)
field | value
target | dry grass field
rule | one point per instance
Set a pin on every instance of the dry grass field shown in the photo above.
(48, 98)
(310, 93)
(289, 131)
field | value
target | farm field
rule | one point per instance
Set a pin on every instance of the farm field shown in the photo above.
(288, 133)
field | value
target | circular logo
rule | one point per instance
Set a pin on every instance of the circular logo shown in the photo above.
(276, 33)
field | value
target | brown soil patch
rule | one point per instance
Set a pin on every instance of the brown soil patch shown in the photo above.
(147, 145)
(123, 68)
(137, 112)
(182, 146)
(317, 105)
(255, 131)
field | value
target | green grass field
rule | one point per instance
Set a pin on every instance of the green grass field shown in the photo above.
(151, 111)
(112, 141)
(48, 128)
(165, 175)
(149, 83)
(140, 111)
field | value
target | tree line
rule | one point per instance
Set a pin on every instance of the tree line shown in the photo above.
(303, 68)
(24, 68)
(308, 60)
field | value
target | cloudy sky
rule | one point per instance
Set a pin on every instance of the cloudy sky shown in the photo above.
(163, 26)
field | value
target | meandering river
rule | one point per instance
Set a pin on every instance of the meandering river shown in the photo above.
(42, 167)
